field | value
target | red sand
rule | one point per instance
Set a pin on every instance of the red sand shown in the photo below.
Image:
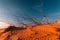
(38, 32)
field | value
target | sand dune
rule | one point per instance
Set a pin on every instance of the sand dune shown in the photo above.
(38, 32)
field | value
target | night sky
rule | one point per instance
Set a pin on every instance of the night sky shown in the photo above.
(37, 8)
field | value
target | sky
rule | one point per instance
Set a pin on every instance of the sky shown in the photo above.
(10, 9)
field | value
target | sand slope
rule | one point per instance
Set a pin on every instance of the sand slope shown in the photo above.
(38, 32)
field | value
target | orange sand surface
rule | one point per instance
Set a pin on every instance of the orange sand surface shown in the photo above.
(38, 32)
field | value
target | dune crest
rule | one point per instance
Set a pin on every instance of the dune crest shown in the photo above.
(38, 32)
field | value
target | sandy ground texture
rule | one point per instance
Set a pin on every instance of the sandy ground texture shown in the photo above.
(38, 32)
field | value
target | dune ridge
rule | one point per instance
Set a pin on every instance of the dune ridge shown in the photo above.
(37, 32)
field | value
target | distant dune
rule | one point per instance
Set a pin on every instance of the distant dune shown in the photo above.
(38, 32)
